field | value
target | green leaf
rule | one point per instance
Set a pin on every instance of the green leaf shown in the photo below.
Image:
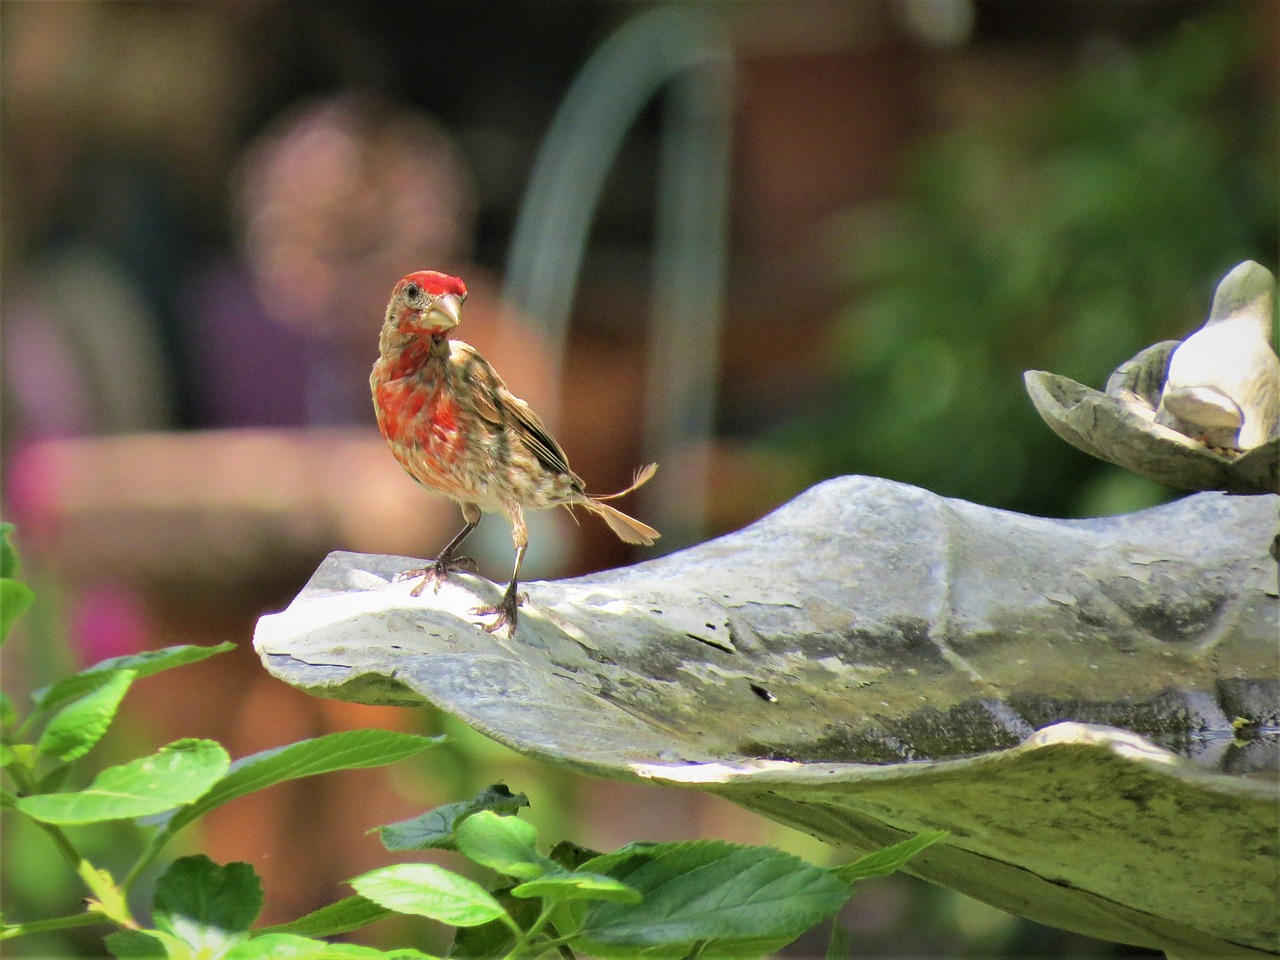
(15, 598)
(562, 885)
(285, 946)
(739, 899)
(8, 556)
(341, 917)
(24, 753)
(52, 781)
(505, 844)
(79, 725)
(434, 829)
(426, 890)
(176, 774)
(142, 664)
(206, 906)
(840, 943)
(8, 715)
(494, 940)
(349, 749)
(146, 945)
(571, 855)
(886, 861)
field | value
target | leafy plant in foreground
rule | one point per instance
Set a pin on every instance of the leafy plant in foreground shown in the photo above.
(704, 898)
(673, 900)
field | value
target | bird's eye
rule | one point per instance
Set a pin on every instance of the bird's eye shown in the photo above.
(412, 291)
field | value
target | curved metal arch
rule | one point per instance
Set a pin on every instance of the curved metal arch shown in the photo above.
(684, 52)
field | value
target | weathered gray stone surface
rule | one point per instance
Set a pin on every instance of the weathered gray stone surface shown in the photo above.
(872, 660)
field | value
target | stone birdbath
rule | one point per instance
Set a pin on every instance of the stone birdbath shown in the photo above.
(1090, 708)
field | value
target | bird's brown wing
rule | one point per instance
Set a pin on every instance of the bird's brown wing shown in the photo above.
(498, 405)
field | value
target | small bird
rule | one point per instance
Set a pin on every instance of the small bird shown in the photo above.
(456, 428)
(1223, 384)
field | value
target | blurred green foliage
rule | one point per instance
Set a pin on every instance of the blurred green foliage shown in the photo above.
(1065, 237)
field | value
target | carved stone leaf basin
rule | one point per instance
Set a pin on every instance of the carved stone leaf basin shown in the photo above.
(1226, 376)
(1090, 707)
(1107, 427)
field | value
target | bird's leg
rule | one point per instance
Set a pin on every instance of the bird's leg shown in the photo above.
(446, 561)
(507, 606)
(438, 571)
(511, 599)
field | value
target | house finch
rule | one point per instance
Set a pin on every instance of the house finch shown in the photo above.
(456, 428)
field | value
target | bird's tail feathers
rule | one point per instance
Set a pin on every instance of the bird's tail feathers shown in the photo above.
(627, 529)
(643, 476)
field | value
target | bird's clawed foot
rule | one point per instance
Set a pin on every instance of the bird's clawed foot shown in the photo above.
(436, 573)
(505, 609)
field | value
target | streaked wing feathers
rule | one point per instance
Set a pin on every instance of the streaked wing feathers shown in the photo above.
(490, 391)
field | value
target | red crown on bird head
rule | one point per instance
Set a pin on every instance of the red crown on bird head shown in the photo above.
(434, 283)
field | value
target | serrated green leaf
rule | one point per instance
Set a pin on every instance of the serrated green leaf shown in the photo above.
(738, 899)
(15, 598)
(563, 885)
(433, 830)
(426, 890)
(146, 945)
(341, 917)
(505, 844)
(79, 725)
(143, 664)
(176, 774)
(207, 906)
(346, 750)
(888, 860)
(284, 946)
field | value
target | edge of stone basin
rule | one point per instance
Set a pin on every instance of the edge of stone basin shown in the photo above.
(1121, 744)
(590, 682)
(342, 682)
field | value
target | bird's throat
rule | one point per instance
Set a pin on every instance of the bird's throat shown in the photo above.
(413, 355)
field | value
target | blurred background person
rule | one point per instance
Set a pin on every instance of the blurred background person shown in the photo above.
(333, 198)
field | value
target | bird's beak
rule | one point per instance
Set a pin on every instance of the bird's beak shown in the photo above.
(444, 312)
